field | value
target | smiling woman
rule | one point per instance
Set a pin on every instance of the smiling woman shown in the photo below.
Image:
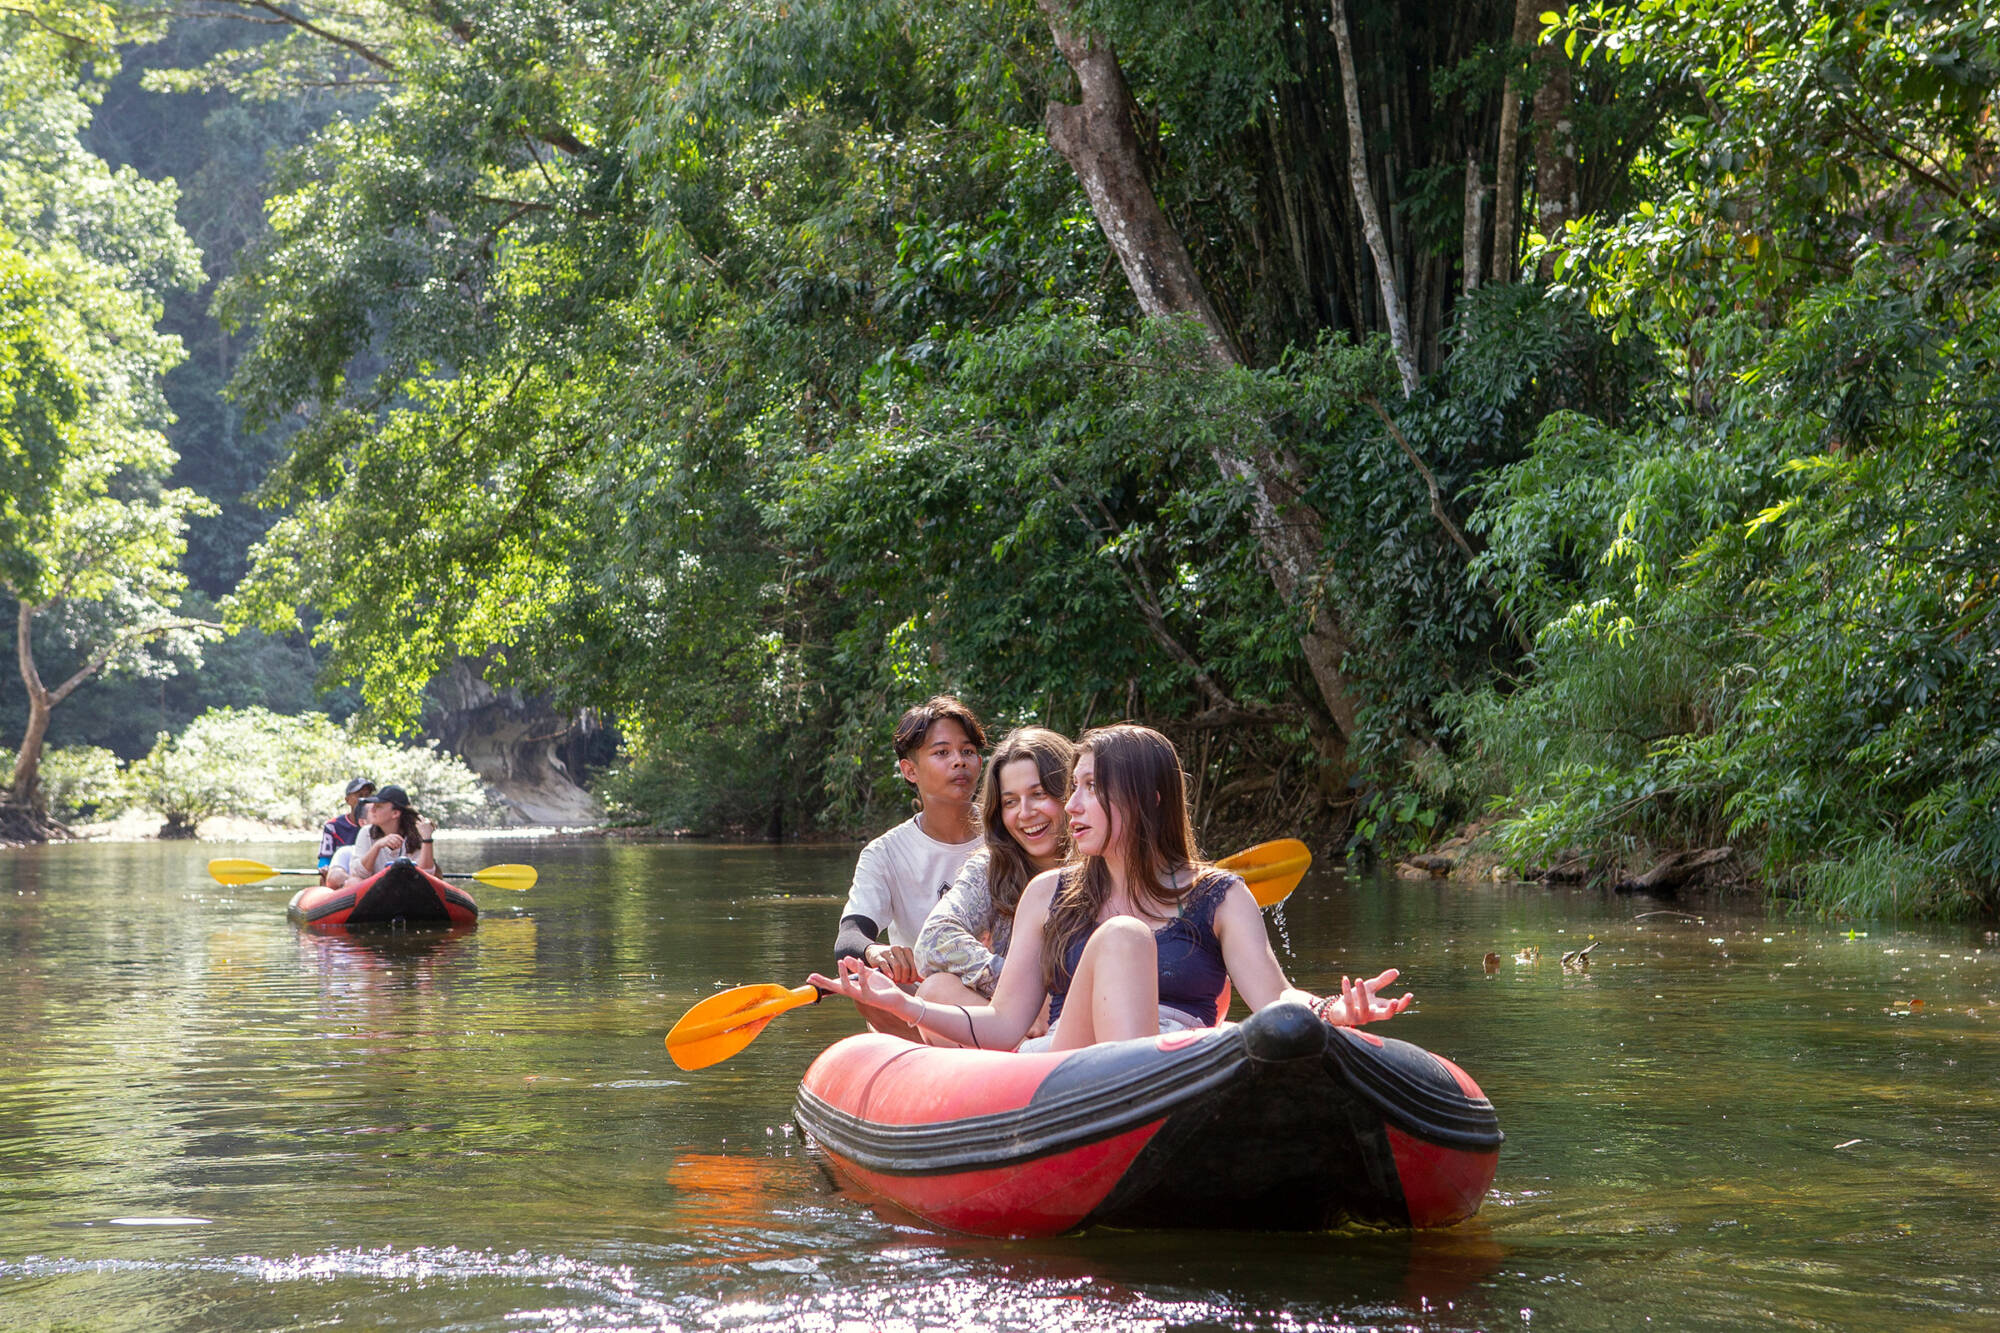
(963, 944)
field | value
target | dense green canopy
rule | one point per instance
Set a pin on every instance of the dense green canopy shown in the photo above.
(1607, 439)
(90, 536)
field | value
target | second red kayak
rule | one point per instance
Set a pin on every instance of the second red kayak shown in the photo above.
(398, 895)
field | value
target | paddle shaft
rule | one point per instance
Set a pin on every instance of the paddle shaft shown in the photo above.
(234, 870)
(725, 1023)
(441, 874)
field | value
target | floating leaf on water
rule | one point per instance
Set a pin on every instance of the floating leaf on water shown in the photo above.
(1492, 962)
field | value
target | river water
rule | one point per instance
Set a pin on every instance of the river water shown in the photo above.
(209, 1118)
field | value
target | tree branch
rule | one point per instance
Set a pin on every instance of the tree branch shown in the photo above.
(375, 58)
(46, 26)
(1142, 593)
(1438, 509)
(123, 639)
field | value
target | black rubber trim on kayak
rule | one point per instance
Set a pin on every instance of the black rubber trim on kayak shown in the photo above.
(1415, 1092)
(1130, 1093)
(1291, 1147)
(400, 894)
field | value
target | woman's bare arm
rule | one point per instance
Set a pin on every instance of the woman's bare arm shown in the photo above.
(1253, 967)
(998, 1026)
(1247, 954)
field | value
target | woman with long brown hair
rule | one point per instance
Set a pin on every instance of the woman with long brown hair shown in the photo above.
(1135, 936)
(962, 947)
(390, 829)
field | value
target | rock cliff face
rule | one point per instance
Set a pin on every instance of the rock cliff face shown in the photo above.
(529, 754)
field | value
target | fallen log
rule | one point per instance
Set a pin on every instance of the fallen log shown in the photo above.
(1673, 871)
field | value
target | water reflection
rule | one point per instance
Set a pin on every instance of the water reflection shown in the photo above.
(209, 1117)
(376, 950)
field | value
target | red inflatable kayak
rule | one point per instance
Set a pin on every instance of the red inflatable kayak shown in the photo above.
(1276, 1123)
(397, 895)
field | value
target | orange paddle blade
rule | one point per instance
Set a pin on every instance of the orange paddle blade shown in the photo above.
(725, 1023)
(1271, 869)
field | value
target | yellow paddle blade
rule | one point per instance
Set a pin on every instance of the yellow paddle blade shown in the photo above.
(1271, 869)
(230, 870)
(725, 1023)
(508, 876)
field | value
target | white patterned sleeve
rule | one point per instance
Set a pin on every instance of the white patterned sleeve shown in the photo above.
(954, 934)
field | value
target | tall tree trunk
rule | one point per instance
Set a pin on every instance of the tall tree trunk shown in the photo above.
(1098, 139)
(1475, 224)
(1555, 150)
(1101, 144)
(1507, 167)
(24, 789)
(1364, 200)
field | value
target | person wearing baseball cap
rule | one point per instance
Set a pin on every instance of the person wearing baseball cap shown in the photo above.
(341, 830)
(390, 830)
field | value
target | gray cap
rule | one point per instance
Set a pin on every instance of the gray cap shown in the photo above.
(358, 783)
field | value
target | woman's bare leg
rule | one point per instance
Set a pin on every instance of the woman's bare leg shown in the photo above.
(943, 990)
(1115, 993)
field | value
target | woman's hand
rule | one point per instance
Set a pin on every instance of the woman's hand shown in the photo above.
(1040, 1027)
(871, 986)
(425, 829)
(1359, 1003)
(394, 842)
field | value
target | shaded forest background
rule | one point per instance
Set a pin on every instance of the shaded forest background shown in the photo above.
(1583, 421)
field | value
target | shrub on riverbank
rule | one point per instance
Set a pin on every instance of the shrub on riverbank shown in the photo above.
(290, 770)
(78, 782)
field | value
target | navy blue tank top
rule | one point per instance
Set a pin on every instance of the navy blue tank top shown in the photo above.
(1191, 967)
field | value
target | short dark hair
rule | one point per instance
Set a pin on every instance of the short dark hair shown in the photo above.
(916, 724)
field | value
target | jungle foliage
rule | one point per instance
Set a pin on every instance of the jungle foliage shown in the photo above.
(91, 530)
(744, 371)
(1764, 603)
(287, 769)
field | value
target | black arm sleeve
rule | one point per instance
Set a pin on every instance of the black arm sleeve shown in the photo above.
(856, 934)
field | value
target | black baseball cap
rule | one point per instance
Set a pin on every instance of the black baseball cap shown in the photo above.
(358, 783)
(389, 795)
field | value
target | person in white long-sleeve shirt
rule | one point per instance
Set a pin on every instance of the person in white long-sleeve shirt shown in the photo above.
(902, 874)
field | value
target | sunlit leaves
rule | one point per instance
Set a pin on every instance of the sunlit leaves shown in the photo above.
(1789, 551)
